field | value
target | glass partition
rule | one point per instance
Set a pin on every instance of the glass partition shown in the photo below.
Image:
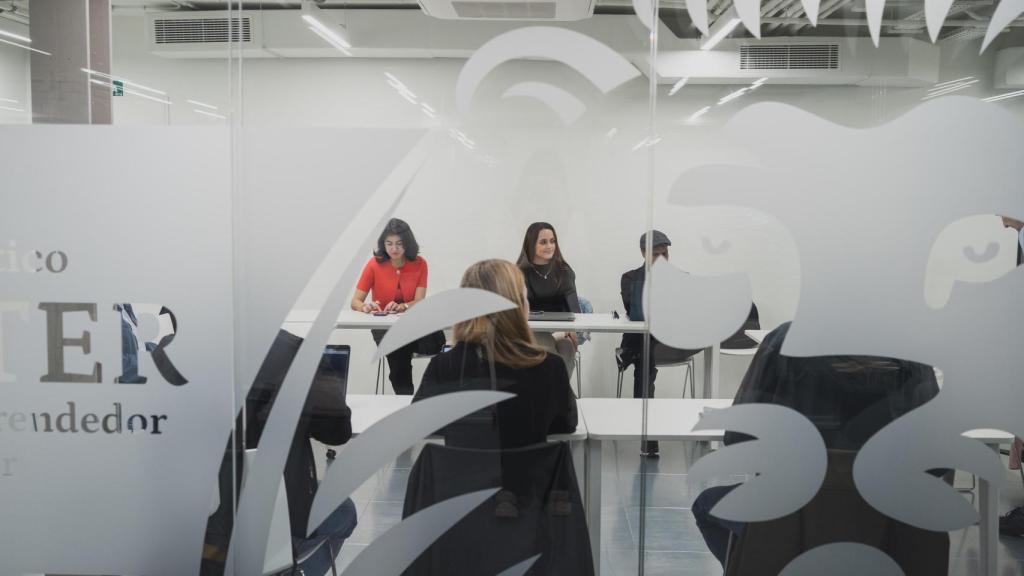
(510, 288)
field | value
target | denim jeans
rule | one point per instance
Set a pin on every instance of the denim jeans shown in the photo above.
(329, 537)
(716, 531)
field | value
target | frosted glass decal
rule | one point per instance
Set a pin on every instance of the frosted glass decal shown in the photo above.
(935, 12)
(698, 10)
(343, 262)
(724, 302)
(107, 476)
(1006, 12)
(843, 559)
(644, 11)
(394, 550)
(521, 568)
(788, 457)
(385, 440)
(604, 67)
(749, 12)
(440, 311)
(811, 10)
(568, 107)
(865, 237)
(873, 11)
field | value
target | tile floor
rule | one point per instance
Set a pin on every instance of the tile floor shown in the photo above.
(673, 543)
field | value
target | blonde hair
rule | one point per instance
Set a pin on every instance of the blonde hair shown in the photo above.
(505, 335)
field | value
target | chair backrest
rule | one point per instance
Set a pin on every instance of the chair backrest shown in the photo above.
(669, 356)
(537, 511)
(837, 513)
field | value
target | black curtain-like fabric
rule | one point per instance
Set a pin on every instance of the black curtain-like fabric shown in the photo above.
(537, 511)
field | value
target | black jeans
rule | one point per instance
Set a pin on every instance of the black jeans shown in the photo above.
(633, 354)
(399, 365)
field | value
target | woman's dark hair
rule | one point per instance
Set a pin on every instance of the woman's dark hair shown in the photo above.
(525, 261)
(396, 227)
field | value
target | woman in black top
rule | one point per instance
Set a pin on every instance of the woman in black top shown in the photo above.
(550, 286)
(498, 352)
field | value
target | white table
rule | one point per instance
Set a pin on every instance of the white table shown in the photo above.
(757, 335)
(673, 419)
(298, 322)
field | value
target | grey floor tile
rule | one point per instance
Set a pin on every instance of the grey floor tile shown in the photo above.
(969, 567)
(392, 487)
(376, 518)
(964, 543)
(615, 532)
(667, 530)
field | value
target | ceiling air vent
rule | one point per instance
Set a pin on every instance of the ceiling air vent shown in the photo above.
(505, 10)
(201, 30)
(789, 57)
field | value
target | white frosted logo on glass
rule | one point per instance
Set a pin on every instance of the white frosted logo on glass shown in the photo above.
(787, 455)
(843, 559)
(865, 230)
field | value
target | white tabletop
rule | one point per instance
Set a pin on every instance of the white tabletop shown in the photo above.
(368, 409)
(353, 320)
(667, 418)
(756, 335)
(674, 419)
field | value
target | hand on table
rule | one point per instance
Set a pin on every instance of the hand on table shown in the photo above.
(371, 306)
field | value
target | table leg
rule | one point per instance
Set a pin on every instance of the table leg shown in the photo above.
(711, 355)
(593, 495)
(988, 526)
(578, 448)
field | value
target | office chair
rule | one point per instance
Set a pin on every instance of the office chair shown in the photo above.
(664, 357)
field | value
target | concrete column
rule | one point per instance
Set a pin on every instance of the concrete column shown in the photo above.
(77, 35)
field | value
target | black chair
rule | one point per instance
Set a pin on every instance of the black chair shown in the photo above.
(537, 511)
(837, 513)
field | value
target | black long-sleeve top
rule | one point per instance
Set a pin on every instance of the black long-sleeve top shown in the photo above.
(556, 293)
(544, 403)
(848, 398)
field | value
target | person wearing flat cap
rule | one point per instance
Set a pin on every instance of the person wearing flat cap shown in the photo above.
(631, 351)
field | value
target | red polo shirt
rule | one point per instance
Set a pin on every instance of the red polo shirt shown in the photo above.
(380, 280)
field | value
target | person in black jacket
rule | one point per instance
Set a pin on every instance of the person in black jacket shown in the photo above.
(550, 286)
(498, 352)
(848, 398)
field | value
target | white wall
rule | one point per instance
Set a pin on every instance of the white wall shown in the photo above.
(586, 179)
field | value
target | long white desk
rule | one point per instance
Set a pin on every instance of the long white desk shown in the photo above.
(674, 419)
(298, 322)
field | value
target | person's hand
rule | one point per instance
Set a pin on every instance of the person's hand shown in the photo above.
(391, 307)
(572, 337)
(371, 306)
(1012, 223)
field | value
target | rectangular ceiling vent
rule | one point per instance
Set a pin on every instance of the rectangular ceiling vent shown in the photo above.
(202, 30)
(505, 10)
(789, 57)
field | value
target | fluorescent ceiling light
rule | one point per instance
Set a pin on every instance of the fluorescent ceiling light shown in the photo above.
(948, 82)
(201, 104)
(733, 95)
(698, 114)
(612, 132)
(9, 100)
(329, 35)
(675, 88)
(17, 37)
(1005, 96)
(126, 82)
(210, 114)
(22, 46)
(759, 81)
(8, 108)
(933, 93)
(724, 26)
(132, 92)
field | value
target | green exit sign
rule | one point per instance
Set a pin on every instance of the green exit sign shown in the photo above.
(118, 87)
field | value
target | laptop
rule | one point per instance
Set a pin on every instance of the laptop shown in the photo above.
(552, 316)
(332, 374)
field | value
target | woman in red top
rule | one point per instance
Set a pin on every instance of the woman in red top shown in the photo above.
(395, 279)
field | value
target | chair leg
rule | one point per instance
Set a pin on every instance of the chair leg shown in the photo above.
(380, 368)
(689, 376)
(579, 378)
(334, 567)
(618, 390)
